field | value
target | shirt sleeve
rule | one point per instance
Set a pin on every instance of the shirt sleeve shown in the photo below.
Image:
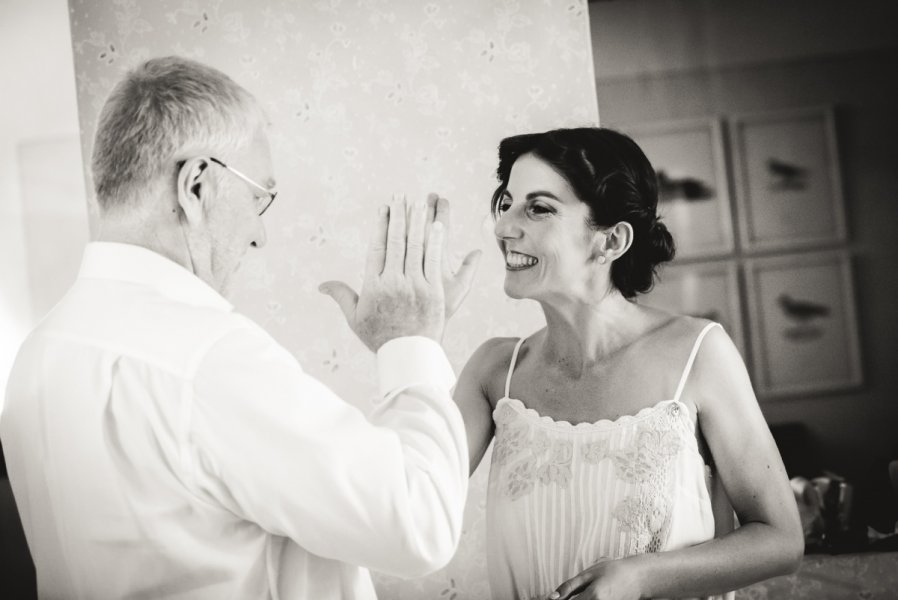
(277, 447)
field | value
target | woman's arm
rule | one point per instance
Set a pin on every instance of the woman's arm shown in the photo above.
(769, 541)
(472, 397)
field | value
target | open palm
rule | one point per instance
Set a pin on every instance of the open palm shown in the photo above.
(456, 284)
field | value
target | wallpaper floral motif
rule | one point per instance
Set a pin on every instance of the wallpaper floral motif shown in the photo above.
(367, 98)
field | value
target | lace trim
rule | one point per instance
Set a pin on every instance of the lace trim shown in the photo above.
(547, 421)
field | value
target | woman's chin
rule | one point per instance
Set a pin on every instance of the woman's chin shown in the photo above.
(515, 292)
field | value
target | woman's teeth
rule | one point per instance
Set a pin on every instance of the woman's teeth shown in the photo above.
(516, 260)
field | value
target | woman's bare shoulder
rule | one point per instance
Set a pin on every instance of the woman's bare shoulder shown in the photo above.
(718, 373)
(489, 364)
(680, 330)
(493, 354)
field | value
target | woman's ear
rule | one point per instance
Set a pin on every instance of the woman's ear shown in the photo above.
(194, 187)
(618, 239)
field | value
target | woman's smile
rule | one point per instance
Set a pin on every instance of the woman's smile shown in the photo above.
(517, 261)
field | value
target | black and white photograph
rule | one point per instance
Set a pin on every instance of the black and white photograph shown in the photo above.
(448, 300)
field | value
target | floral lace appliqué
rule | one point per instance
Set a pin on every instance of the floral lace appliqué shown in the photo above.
(529, 455)
(510, 440)
(653, 450)
(644, 516)
(593, 452)
(646, 511)
(520, 478)
(557, 469)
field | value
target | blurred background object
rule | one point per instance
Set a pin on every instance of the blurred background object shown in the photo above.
(41, 241)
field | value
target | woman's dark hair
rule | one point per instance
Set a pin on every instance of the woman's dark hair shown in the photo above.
(611, 174)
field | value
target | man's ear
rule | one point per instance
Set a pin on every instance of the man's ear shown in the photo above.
(194, 187)
(617, 240)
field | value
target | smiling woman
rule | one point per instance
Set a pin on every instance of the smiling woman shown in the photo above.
(620, 430)
(593, 176)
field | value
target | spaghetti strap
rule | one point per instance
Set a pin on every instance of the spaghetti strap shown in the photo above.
(685, 375)
(514, 359)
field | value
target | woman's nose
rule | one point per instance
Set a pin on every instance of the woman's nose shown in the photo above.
(507, 226)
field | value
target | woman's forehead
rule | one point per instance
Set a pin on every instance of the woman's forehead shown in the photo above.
(529, 174)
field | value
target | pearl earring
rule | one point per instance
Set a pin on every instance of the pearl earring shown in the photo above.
(602, 260)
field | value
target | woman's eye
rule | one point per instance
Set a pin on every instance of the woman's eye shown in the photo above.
(503, 206)
(539, 209)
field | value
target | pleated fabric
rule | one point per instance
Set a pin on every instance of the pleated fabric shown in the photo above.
(562, 496)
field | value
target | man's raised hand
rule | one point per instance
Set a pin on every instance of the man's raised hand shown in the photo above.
(402, 291)
(456, 284)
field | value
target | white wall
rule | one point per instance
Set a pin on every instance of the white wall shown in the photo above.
(37, 106)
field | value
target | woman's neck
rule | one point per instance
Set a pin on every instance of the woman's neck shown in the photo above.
(580, 335)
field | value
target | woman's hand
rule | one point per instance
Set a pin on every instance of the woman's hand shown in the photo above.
(605, 580)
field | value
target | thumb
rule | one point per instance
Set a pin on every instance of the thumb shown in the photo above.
(465, 275)
(570, 587)
(343, 295)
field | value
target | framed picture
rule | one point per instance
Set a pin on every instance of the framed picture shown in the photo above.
(804, 328)
(694, 203)
(788, 184)
(709, 290)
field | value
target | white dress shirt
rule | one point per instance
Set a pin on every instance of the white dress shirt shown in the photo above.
(161, 445)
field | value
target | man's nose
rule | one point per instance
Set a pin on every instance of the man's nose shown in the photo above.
(261, 237)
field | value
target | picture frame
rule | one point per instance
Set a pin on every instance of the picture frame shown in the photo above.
(694, 198)
(708, 290)
(788, 183)
(804, 323)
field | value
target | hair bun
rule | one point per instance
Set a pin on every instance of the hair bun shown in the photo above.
(662, 244)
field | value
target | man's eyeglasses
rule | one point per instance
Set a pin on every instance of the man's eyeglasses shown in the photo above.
(266, 200)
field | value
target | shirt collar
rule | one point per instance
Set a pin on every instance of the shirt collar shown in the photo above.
(136, 264)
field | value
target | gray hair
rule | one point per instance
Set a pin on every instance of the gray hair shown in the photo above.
(161, 111)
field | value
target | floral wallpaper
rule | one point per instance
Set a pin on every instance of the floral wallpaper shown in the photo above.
(367, 98)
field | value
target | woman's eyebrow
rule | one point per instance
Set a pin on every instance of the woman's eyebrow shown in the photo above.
(544, 194)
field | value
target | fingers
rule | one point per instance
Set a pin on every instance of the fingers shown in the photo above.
(414, 256)
(431, 206)
(343, 295)
(465, 275)
(431, 212)
(396, 231)
(570, 587)
(442, 211)
(377, 250)
(434, 257)
(441, 215)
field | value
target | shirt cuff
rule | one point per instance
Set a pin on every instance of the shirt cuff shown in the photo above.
(412, 360)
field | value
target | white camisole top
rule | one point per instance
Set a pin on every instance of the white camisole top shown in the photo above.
(561, 496)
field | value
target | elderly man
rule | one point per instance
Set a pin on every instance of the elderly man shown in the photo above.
(161, 445)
